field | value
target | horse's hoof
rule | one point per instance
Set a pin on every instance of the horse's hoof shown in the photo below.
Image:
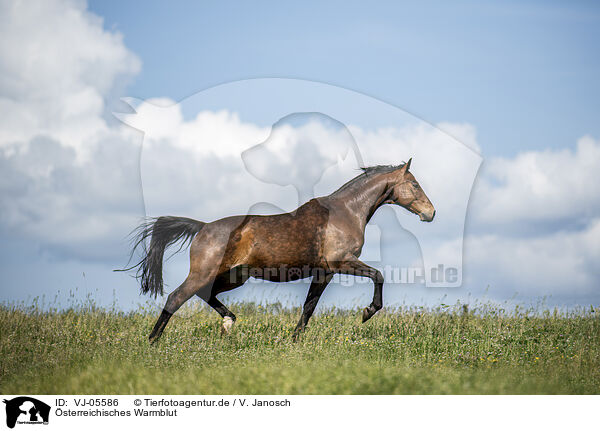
(227, 325)
(367, 314)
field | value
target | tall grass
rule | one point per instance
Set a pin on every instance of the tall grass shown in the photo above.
(448, 350)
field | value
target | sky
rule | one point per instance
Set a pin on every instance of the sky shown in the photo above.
(514, 82)
(523, 73)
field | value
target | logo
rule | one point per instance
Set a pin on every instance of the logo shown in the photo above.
(26, 410)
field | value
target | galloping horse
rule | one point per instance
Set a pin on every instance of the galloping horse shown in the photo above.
(321, 238)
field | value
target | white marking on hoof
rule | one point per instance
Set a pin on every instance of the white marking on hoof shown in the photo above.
(227, 324)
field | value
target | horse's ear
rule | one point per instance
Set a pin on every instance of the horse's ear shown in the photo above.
(405, 167)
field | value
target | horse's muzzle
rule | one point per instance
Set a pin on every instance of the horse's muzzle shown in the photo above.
(427, 216)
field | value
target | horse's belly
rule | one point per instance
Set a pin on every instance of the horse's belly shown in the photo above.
(285, 254)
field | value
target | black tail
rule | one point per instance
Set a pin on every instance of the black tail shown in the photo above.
(165, 231)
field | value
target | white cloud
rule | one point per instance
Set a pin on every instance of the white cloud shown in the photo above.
(57, 66)
(552, 186)
(69, 181)
(219, 134)
(535, 225)
(563, 263)
(80, 210)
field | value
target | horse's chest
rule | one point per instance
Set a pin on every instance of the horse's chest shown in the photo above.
(342, 240)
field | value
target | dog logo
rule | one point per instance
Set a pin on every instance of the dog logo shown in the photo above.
(26, 410)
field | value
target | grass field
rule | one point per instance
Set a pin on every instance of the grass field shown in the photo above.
(410, 351)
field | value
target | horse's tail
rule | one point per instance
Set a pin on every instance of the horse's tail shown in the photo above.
(164, 231)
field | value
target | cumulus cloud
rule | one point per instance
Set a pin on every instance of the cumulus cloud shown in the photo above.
(534, 222)
(563, 263)
(68, 178)
(554, 189)
(74, 209)
(56, 69)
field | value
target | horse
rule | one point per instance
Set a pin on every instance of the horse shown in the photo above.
(321, 238)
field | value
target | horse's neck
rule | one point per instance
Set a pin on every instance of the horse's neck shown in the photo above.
(362, 200)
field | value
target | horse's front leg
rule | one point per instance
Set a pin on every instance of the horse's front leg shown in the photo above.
(318, 285)
(353, 266)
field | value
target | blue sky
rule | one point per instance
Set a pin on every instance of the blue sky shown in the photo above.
(515, 80)
(522, 72)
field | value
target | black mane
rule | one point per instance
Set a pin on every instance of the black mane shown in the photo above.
(380, 169)
(369, 170)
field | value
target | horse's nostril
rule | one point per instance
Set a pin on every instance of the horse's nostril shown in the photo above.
(433, 215)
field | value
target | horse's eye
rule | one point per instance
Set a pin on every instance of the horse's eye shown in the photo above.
(415, 184)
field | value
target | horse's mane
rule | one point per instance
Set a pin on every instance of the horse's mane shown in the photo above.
(370, 170)
(380, 169)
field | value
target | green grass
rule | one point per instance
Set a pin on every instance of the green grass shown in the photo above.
(410, 351)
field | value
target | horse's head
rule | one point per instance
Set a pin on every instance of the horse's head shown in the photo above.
(407, 193)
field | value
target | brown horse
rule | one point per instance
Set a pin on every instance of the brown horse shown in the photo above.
(321, 238)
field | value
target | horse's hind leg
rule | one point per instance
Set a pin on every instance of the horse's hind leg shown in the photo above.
(160, 325)
(175, 300)
(224, 283)
(226, 314)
